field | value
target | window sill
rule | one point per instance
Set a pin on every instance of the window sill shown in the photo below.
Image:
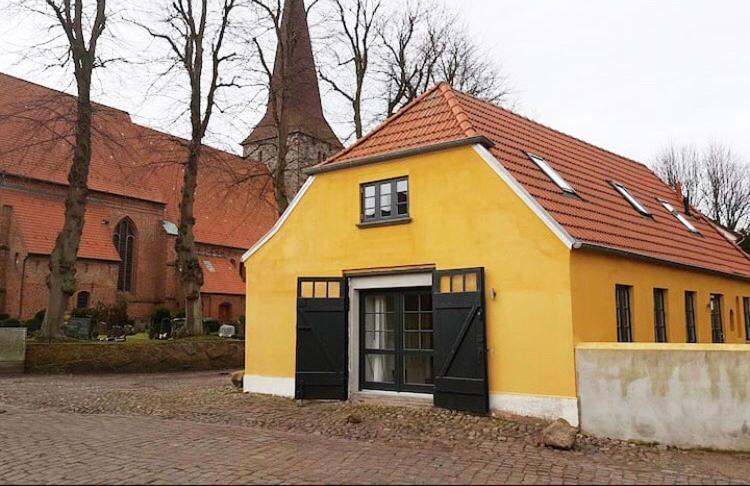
(385, 222)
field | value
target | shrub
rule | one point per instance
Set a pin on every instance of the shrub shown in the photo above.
(180, 314)
(211, 326)
(4, 317)
(159, 314)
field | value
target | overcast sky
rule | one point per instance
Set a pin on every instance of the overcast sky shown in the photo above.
(628, 75)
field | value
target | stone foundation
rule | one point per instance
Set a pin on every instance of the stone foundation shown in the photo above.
(149, 357)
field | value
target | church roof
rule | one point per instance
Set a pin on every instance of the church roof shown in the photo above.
(234, 204)
(305, 111)
(595, 215)
(40, 219)
(221, 276)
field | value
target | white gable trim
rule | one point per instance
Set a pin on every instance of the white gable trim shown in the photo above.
(276, 227)
(527, 198)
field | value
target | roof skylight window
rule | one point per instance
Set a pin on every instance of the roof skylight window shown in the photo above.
(631, 199)
(681, 218)
(552, 174)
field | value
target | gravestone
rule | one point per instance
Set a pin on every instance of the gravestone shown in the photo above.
(226, 331)
(78, 328)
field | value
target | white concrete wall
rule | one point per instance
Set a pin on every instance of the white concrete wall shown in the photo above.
(692, 396)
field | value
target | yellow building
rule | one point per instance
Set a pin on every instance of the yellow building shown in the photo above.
(460, 252)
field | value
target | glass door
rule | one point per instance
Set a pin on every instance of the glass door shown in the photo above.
(396, 350)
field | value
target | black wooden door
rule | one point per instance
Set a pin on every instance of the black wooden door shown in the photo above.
(322, 349)
(460, 340)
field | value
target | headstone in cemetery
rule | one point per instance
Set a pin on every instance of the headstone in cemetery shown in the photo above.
(118, 334)
(78, 328)
(227, 331)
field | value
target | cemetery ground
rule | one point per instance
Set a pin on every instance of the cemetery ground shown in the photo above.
(197, 428)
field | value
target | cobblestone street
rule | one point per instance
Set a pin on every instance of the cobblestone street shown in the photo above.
(195, 428)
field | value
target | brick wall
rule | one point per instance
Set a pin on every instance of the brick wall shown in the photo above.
(155, 281)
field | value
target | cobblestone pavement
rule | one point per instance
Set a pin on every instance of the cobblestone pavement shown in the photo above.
(195, 428)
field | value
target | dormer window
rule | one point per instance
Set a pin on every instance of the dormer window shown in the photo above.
(552, 174)
(386, 200)
(681, 218)
(631, 199)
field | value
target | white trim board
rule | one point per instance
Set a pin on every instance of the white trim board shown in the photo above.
(276, 227)
(539, 406)
(268, 385)
(356, 285)
(527, 198)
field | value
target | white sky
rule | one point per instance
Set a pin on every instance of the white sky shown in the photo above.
(628, 75)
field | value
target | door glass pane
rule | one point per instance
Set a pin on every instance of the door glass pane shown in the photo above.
(471, 282)
(425, 302)
(307, 290)
(411, 302)
(411, 321)
(418, 369)
(320, 290)
(457, 283)
(379, 303)
(380, 368)
(426, 321)
(334, 290)
(426, 340)
(445, 284)
(411, 340)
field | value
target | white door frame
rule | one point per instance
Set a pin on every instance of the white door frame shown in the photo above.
(356, 286)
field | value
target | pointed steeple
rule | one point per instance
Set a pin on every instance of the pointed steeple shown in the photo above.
(305, 111)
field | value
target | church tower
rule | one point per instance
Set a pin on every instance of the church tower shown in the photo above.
(311, 138)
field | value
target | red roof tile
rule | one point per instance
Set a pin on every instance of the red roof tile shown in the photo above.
(234, 204)
(40, 219)
(221, 276)
(601, 216)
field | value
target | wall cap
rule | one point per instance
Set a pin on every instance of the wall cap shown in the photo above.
(703, 347)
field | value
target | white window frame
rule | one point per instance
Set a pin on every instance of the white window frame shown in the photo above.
(681, 218)
(552, 174)
(631, 199)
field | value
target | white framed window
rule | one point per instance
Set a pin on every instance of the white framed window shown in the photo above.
(680, 217)
(631, 199)
(552, 174)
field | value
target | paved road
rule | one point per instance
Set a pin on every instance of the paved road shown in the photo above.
(48, 446)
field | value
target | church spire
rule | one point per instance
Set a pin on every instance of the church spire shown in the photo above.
(304, 108)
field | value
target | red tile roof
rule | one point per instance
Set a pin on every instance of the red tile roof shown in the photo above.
(221, 276)
(600, 217)
(40, 219)
(234, 204)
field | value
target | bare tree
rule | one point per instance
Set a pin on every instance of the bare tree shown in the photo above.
(727, 186)
(681, 165)
(357, 22)
(82, 24)
(424, 45)
(715, 180)
(195, 39)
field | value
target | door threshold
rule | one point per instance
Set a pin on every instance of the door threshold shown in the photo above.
(395, 399)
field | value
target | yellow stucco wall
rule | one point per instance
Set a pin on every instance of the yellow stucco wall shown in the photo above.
(463, 216)
(594, 276)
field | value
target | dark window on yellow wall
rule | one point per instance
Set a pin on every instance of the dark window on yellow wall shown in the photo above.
(624, 319)
(385, 200)
(692, 336)
(660, 315)
(717, 325)
(746, 305)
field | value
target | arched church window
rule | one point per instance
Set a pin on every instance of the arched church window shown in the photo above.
(124, 241)
(82, 300)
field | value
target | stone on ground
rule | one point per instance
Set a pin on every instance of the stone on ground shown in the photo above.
(560, 435)
(237, 377)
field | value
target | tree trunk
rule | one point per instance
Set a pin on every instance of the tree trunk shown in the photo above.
(191, 274)
(61, 281)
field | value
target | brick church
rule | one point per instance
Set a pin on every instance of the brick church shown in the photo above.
(127, 246)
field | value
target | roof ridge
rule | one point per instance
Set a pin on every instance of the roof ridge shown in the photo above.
(455, 105)
(559, 132)
(380, 127)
